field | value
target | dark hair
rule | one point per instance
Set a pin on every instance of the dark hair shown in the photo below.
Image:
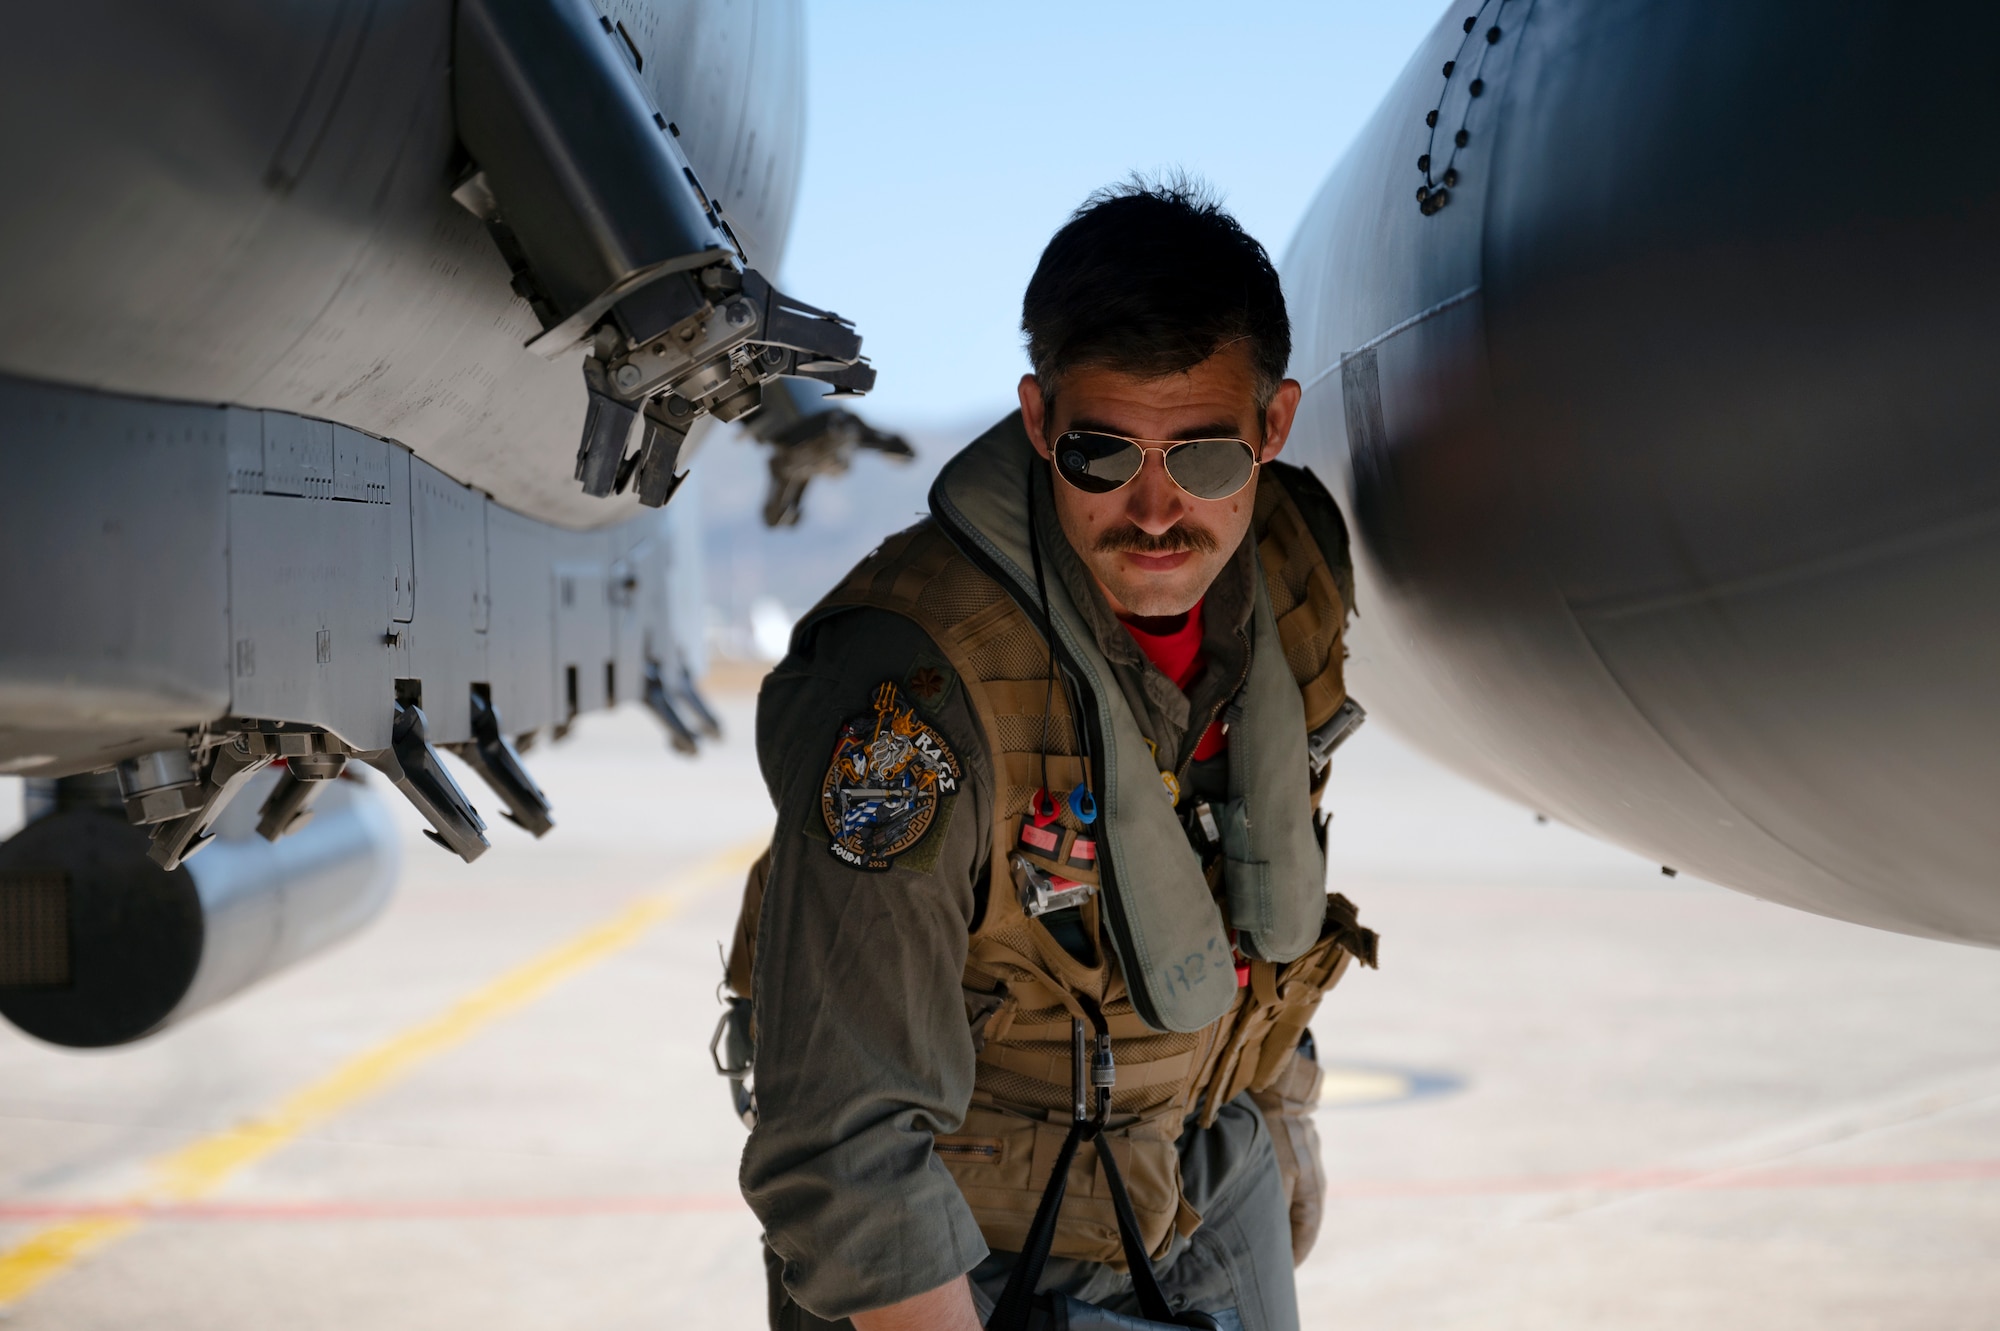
(1152, 278)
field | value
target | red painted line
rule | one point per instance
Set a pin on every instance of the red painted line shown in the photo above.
(578, 1208)
(1703, 1180)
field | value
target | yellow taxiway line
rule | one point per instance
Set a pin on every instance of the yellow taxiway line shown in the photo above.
(201, 1167)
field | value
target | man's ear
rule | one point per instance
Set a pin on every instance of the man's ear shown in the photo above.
(1278, 418)
(1032, 412)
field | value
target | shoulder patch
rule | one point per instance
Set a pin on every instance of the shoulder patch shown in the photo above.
(881, 791)
(930, 681)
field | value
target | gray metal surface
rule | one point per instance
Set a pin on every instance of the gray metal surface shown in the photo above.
(113, 538)
(219, 201)
(281, 480)
(173, 566)
(1668, 438)
(270, 905)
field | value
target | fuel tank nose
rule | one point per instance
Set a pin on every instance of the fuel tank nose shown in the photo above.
(99, 946)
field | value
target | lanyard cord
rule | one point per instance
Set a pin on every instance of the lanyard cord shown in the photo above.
(1048, 628)
(1012, 1311)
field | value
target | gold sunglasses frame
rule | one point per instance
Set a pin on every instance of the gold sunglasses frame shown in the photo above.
(1162, 447)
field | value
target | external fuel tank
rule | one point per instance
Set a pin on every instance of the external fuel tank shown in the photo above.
(1651, 348)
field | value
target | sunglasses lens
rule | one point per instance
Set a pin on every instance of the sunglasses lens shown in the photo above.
(1212, 468)
(1097, 463)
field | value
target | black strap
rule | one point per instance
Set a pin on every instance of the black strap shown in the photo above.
(1016, 1301)
(1146, 1285)
(1011, 1313)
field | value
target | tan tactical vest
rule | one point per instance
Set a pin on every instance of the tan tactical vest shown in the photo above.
(1022, 988)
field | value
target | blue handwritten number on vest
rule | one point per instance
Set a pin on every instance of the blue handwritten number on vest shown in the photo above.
(1191, 971)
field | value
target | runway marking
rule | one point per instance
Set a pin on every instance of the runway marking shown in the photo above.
(180, 1178)
(578, 1208)
(1362, 1086)
(472, 1208)
(1346, 1087)
(1692, 1180)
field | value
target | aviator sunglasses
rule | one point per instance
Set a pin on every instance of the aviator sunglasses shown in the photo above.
(1099, 463)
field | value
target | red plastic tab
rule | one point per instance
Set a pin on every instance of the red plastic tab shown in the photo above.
(1040, 838)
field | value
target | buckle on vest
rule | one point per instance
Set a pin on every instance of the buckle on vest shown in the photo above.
(1321, 743)
(1042, 891)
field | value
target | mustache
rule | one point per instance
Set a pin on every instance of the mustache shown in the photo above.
(1182, 536)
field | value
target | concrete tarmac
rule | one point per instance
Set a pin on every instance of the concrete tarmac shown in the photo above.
(1578, 1094)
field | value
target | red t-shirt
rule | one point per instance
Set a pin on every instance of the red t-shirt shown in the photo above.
(1180, 658)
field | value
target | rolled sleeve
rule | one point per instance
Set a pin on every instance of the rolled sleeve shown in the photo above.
(863, 1051)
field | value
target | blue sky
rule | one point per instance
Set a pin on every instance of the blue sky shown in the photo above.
(946, 142)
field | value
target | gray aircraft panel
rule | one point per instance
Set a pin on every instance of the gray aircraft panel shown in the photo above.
(309, 605)
(585, 642)
(402, 544)
(449, 633)
(742, 124)
(520, 656)
(250, 203)
(113, 532)
(287, 490)
(259, 565)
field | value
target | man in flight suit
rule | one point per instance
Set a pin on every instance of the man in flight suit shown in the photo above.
(1051, 755)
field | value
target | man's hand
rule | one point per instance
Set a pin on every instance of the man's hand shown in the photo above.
(946, 1308)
